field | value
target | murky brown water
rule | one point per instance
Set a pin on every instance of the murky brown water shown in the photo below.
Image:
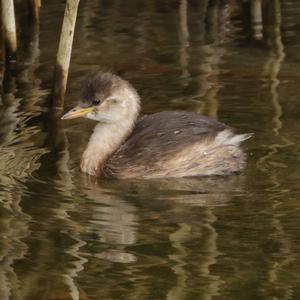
(65, 236)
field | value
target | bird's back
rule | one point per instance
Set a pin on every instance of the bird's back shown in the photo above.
(177, 144)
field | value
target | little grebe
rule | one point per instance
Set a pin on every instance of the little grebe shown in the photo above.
(164, 144)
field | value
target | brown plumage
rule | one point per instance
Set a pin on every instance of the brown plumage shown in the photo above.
(164, 144)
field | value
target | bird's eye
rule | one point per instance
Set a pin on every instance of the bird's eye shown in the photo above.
(114, 101)
(96, 102)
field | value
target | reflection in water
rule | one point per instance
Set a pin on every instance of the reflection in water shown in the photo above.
(68, 236)
(100, 230)
(256, 19)
(20, 154)
(14, 228)
(19, 159)
(178, 238)
(271, 71)
(112, 221)
(208, 238)
(212, 51)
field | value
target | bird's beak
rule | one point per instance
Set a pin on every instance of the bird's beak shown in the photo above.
(77, 112)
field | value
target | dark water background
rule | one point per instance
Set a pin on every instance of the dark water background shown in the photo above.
(66, 236)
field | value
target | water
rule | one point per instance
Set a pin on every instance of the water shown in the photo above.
(66, 236)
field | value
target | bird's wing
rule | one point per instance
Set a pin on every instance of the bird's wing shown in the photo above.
(159, 136)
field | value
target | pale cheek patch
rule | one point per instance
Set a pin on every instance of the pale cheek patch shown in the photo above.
(92, 115)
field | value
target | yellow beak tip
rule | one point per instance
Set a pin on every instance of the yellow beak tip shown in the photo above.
(76, 112)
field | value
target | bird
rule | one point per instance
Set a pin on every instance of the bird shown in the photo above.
(125, 144)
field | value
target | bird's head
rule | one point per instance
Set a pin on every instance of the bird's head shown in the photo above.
(106, 98)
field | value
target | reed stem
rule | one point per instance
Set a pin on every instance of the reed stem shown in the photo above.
(64, 53)
(9, 30)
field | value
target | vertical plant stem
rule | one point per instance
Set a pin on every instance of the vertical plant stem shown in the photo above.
(34, 9)
(64, 53)
(9, 30)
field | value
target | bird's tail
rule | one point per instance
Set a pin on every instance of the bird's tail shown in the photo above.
(227, 137)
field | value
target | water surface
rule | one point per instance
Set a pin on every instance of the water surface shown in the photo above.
(65, 235)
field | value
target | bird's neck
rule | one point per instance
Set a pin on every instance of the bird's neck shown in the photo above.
(106, 139)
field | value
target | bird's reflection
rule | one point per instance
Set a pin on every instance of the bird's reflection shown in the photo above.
(202, 191)
(113, 221)
(118, 214)
(94, 232)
